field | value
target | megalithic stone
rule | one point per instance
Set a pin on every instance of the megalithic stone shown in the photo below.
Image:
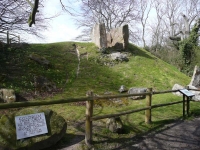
(98, 35)
(195, 81)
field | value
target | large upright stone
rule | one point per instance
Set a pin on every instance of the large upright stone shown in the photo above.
(118, 37)
(195, 81)
(98, 35)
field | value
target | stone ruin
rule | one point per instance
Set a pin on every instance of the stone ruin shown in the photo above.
(117, 38)
(99, 35)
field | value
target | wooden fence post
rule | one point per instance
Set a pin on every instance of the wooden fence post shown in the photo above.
(148, 104)
(188, 103)
(88, 122)
(188, 106)
(184, 106)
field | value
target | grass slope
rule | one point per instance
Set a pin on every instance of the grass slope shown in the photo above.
(142, 70)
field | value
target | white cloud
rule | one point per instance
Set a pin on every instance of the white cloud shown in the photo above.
(62, 28)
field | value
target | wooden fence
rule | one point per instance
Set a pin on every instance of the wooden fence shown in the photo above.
(90, 102)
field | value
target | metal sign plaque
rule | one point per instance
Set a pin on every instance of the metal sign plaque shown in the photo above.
(186, 92)
(30, 125)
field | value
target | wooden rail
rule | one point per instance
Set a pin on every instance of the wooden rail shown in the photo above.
(148, 108)
(89, 107)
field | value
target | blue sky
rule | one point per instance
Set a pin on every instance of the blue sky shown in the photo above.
(62, 28)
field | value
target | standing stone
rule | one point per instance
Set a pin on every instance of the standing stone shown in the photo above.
(118, 37)
(195, 81)
(99, 35)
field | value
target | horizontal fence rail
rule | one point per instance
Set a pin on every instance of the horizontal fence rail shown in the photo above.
(90, 102)
(61, 101)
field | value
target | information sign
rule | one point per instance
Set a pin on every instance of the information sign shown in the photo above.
(30, 125)
(186, 92)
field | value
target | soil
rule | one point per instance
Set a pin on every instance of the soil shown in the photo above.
(180, 135)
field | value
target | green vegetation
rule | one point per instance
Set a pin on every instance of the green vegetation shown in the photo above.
(8, 137)
(183, 54)
(142, 70)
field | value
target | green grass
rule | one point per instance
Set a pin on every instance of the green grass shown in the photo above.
(142, 70)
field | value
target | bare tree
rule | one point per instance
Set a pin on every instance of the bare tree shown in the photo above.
(189, 12)
(145, 6)
(13, 18)
(113, 13)
(158, 27)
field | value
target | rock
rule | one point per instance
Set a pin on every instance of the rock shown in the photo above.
(41, 60)
(193, 87)
(137, 90)
(195, 81)
(119, 56)
(7, 95)
(123, 89)
(56, 130)
(114, 124)
(196, 98)
(177, 87)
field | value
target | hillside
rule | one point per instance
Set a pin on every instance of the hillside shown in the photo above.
(142, 69)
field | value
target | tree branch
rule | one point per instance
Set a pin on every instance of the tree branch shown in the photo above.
(31, 19)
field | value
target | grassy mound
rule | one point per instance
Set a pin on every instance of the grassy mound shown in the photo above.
(142, 70)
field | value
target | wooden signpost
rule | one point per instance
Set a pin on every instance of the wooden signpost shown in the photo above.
(186, 104)
(30, 125)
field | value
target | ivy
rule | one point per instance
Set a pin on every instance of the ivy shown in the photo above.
(188, 45)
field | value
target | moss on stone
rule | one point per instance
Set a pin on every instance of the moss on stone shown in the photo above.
(56, 129)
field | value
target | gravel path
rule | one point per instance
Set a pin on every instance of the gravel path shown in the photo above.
(181, 135)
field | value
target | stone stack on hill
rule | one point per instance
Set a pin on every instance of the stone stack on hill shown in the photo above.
(117, 38)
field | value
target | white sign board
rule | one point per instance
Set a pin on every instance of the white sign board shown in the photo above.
(30, 125)
(186, 92)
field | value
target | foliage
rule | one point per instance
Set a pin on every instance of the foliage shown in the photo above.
(188, 45)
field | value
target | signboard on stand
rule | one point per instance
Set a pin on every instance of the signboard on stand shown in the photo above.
(30, 125)
(186, 93)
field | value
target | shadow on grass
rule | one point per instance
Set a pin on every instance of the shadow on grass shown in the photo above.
(128, 142)
(67, 141)
(136, 51)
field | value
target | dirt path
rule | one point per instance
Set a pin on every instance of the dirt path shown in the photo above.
(181, 135)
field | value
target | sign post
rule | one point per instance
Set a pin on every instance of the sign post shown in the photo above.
(186, 105)
(30, 125)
